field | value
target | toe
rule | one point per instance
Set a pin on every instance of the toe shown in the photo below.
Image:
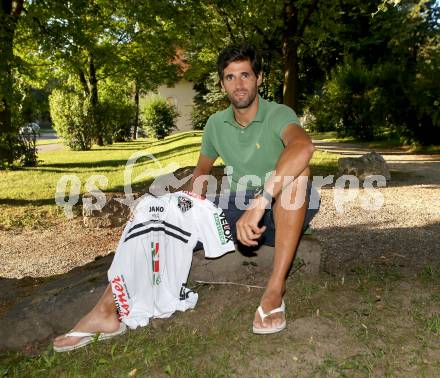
(257, 321)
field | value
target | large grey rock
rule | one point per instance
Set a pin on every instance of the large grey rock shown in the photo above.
(237, 267)
(113, 214)
(56, 305)
(369, 164)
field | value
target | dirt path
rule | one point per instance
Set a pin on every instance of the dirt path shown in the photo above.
(50, 147)
(403, 232)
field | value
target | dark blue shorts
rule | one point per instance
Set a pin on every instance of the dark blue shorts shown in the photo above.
(233, 213)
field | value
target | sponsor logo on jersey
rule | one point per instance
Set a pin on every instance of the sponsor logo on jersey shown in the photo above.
(184, 204)
(223, 228)
(120, 296)
(155, 262)
(156, 209)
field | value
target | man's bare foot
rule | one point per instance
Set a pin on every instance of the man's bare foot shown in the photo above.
(93, 322)
(270, 301)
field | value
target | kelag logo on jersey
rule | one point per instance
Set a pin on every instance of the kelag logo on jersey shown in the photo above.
(223, 228)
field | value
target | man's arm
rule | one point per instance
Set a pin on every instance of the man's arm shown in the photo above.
(292, 163)
(203, 167)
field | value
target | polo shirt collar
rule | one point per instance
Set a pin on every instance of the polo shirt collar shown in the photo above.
(259, 117)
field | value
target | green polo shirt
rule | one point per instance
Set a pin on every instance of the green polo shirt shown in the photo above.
(251, 150)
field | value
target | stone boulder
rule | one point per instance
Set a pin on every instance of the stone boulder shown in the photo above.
(113, 214)
(369, 164)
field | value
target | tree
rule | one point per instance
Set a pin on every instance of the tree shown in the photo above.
(95, 41)
(276, 27)
(10, 12)
(150, 50)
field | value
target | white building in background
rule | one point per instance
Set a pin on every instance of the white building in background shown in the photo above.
(181, 96)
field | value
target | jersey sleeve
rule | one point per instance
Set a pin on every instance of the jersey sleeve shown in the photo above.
(213, 230)
(283, 116)
(208, 148)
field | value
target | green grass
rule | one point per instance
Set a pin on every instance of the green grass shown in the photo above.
(28, 195)
(382, 142)
(329, 136)
(358, 335)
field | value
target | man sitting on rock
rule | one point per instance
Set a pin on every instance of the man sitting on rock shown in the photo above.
(260, 141)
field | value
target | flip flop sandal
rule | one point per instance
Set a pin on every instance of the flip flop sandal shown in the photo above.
(89, 337)
(263, 315)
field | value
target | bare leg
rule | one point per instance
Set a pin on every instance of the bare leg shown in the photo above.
(102, 318)
(288, 226)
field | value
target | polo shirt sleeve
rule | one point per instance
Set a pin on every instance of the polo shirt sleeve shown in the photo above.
(282, 117)
(208, 148)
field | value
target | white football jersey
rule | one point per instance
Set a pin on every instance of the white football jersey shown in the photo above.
(150, 269)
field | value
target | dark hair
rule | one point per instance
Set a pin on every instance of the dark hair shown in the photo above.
(237, 53)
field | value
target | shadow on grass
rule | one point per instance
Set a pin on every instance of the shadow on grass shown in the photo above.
(133, 145)
(117, 163)
(27, 202)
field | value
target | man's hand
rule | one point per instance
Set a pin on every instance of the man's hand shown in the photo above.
(248, 231)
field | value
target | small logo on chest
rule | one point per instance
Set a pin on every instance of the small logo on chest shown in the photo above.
(156, 209)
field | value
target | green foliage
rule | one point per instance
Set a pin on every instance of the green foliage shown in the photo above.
(159, 117)
(360, 102)
(72, 119)
(116, 112)
(210, 99)
(347, 104)
(117, 118)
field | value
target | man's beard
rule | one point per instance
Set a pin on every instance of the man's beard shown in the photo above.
(245, 102)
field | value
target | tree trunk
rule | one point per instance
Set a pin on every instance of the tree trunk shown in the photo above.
(9, 14)
(293, 32)
(136, 118)
(93, 90)
(290, 89)
(290, 54)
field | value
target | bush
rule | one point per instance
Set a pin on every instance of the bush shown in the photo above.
(159, 117)
(347, 103)
(72, 119)
(362, 102)
(116, 117)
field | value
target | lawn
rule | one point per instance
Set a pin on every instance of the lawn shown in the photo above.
(370, 323)
(28, 195)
